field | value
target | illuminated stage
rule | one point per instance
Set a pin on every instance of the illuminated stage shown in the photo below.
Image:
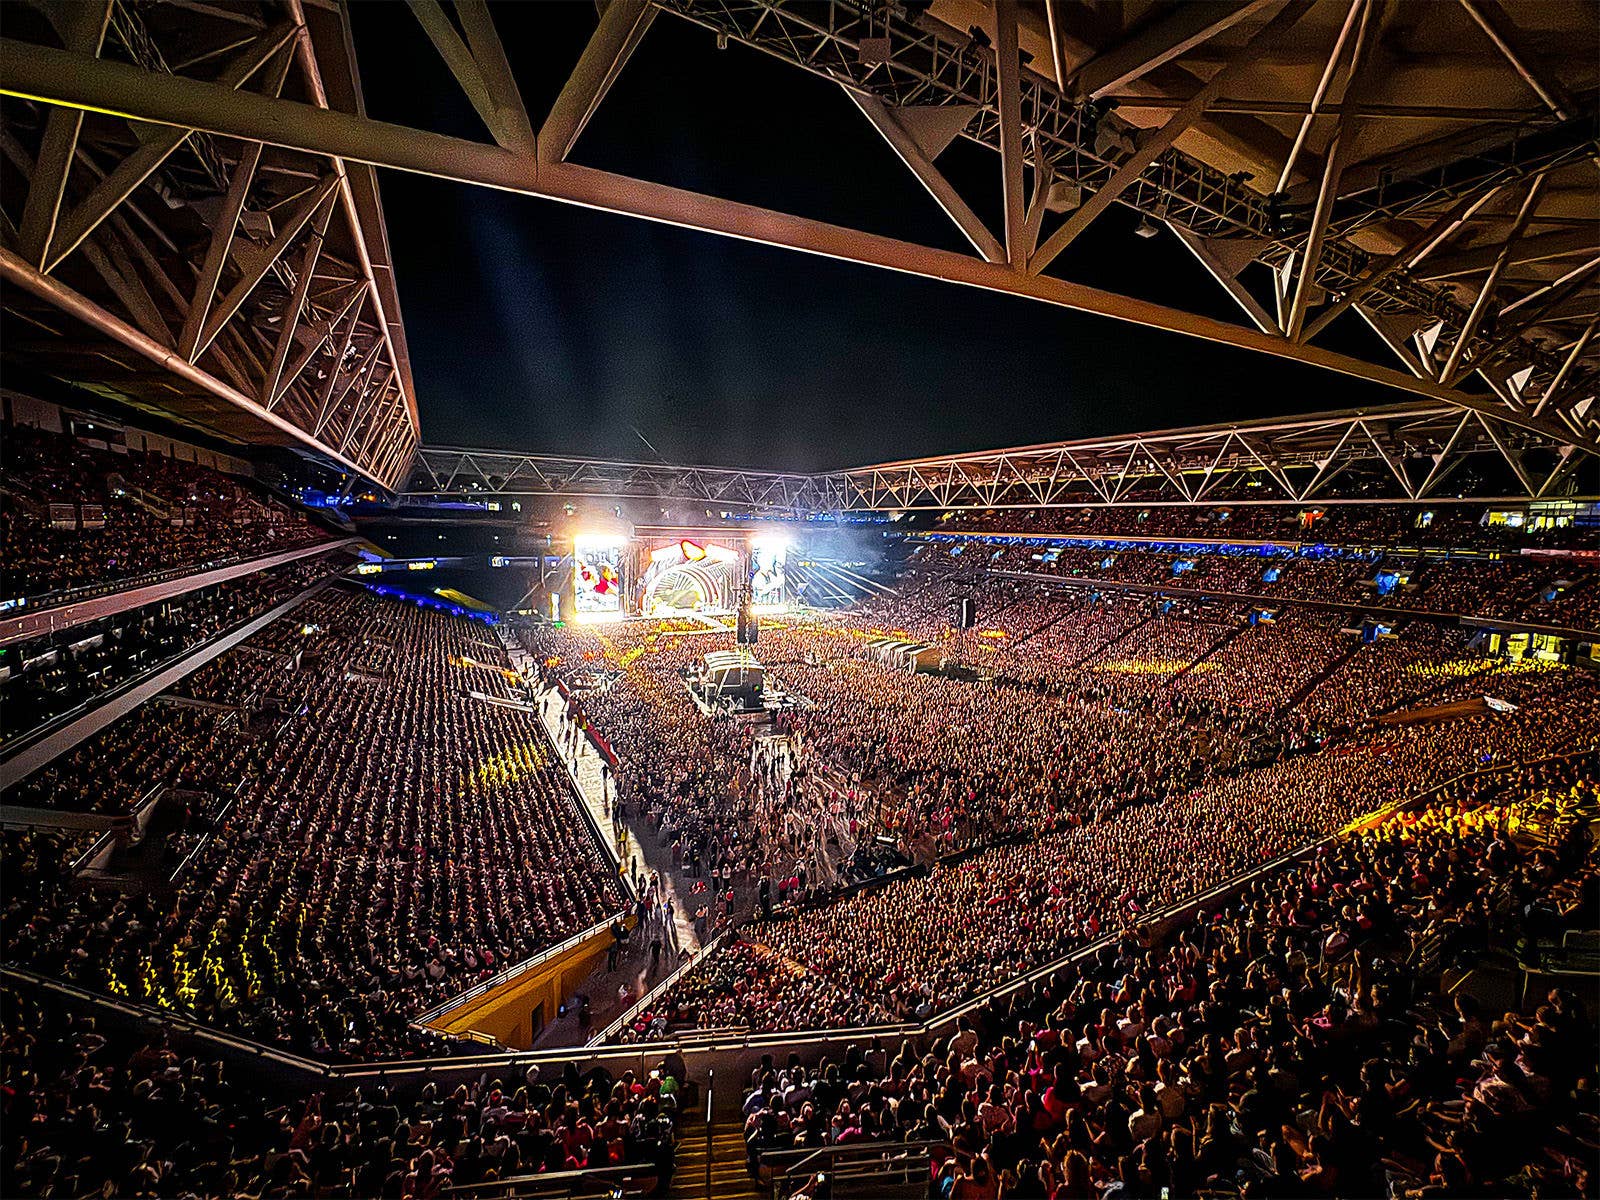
(678, 572)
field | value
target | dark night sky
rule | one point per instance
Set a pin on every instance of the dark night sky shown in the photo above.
(542, 326)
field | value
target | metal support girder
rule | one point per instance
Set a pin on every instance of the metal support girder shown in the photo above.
(227, 225)
(453, 471)
(1553, 300)
(129, 243)
(58, 77)
(1435, 234)
(339, 367)
(1310, 258)
(120, 183)
(1480, 304)
(1556, 287)
(1043, 177)
(1357, 75)
(320, 333)
(1057, 50)
(290, 319)
(363, 368)
(385, 309)
(275, 250)
(1352, 15)
(622, 25)
(109, 258)
(110, 261)
(83, 32)
(1008, 74)
(1298, 458)
(1175, 31)
(1229, 280)
(21, 274)
(486, 80)
(217, 251)
(1555, 385)
(929, 175)
(1500, 31)
(1562, 243)
(1443, 461)
(1396, 469)
(1513, 460)
(1154, 143)
(1370, 110)
(931, 65)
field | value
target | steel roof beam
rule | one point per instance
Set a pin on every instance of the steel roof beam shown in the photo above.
(83, 31)
(1008, 84)
(1480, 305)
(929, 175)
(1429, 239)
(20, 274)
(1175, 31)
(930, 63)
(1566, 243)
(481, 70)
(56, 76)
(622, 26)
(1154, 143)
(1499, 30)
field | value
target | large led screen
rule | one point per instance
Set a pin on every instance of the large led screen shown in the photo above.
(597, 574)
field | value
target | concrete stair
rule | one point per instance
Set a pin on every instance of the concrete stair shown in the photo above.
(729, 1178)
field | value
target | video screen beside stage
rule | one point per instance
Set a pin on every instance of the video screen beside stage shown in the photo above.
(768, 582)
(597, 574)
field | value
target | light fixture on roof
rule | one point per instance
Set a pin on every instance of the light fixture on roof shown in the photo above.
(1146, 228)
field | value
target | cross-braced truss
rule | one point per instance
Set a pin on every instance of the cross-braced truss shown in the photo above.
(1403, 454)
(1426, 164)
(451, 471)
(236, 284)
(1412, 453)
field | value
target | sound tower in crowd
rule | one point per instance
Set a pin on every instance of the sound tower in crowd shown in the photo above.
(749, 627)
(964, 613)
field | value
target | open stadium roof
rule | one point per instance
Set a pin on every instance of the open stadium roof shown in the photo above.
(1425, 166)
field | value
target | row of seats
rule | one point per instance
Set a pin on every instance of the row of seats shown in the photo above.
(391, 841)
(159, 514)
(59, 673)
(1558, 591)
(1290, 1041)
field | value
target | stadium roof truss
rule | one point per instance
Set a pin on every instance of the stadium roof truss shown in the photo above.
(1426, 164)
(1407, 453)
(239, 285)
(451, 471)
